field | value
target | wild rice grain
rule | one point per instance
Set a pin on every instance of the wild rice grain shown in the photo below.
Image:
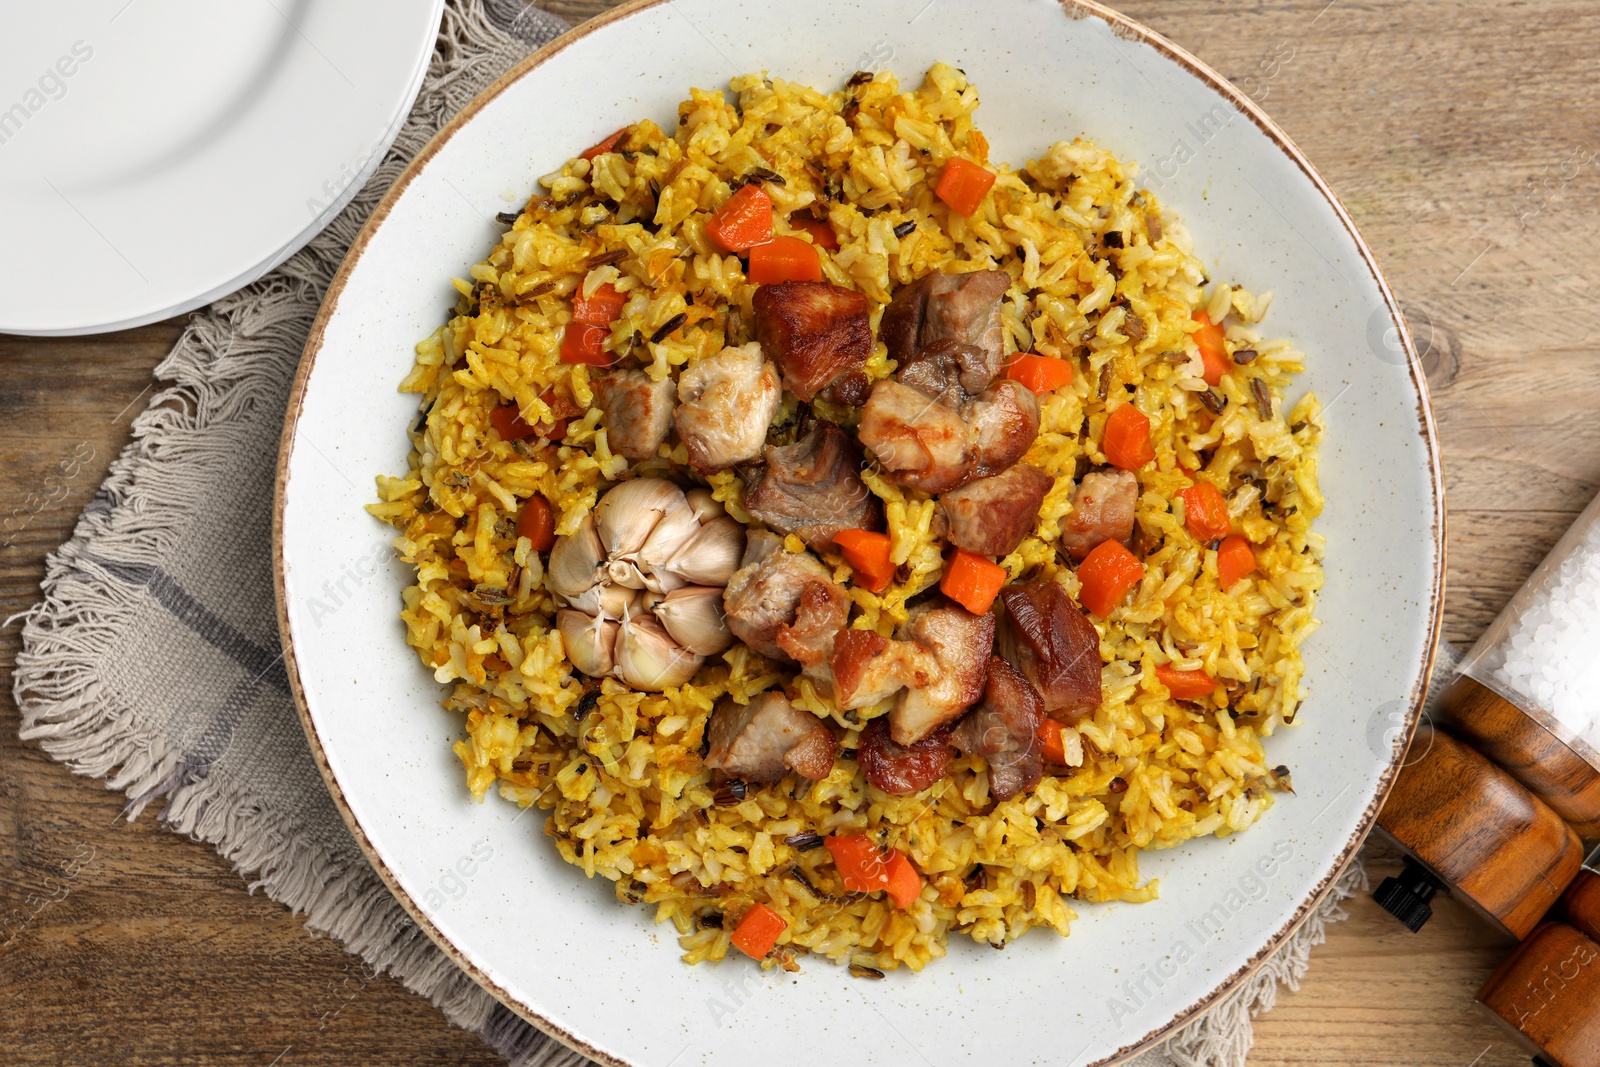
(1258, 388)
(804, 842)
(667, 327)
(731, 793)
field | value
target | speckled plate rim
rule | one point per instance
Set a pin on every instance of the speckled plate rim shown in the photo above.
(1123, 27)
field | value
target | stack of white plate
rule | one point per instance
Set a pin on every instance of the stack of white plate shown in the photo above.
(158, 154)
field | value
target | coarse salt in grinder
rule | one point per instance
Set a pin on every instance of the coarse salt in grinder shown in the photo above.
(1529, 692)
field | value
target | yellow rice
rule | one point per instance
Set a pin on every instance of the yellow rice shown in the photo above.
(621, 777)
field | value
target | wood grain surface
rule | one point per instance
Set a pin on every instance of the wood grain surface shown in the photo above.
(1461, 135)
(1555, 773)
(1545, 995)
(1501, 849)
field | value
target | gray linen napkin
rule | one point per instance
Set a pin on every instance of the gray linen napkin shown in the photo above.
(153, 661)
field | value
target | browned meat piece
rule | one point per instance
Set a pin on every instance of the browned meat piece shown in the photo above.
(1102, 510)
(927, 445)
(785, 605)
(726, 402)
(813, 488)
(960, 308)
(944, 370)
(767, 738)
(920, 442)
(813, 755)
(819, 335)
(901, 769)
(638, 412)
(991, 516)
(1049, 640)
(1004, 731)
(818, 618)
(868, 667)
(1006, 418)
(960, 643)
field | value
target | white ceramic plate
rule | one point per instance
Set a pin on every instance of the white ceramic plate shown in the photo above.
(482, 879)
(158, 154)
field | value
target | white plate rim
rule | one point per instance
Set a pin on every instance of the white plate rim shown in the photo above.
(1122, 26)
(275, 259)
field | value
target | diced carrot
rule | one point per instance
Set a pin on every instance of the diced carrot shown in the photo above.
(758, 931)
(1185, 685)
(1107, 573)
(784, 259)
(601, 309)
(905, 884)
(1039, 373)
(508, 423)
(743, 221)
(1050, 743)
(1205, 512)
(863, 866)
(1209, 339)
(868, 555)
(963, 185)
(586, 344)
(1126, 438)
(821, 231)
(607, 145)
(972, 581)
(538, 523)
(1235, 559)
(511, 426)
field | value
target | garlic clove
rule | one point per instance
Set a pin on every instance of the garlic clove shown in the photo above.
(663, 582)
(675, 529)
(628, 513)
(644, 602)
(704, 504)
(648, 658)
(615, 601)
(587, 601)
(712, 556)
(694, 617)
(575, 561)
(625, 574)
(590, 643)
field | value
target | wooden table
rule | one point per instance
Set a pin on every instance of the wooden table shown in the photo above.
(1462, 138)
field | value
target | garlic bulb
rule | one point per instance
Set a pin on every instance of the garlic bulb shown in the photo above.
(641, 581)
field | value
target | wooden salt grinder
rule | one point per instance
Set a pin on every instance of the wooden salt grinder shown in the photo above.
(1547, 995)
(1466, 824)
(1562, 771)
